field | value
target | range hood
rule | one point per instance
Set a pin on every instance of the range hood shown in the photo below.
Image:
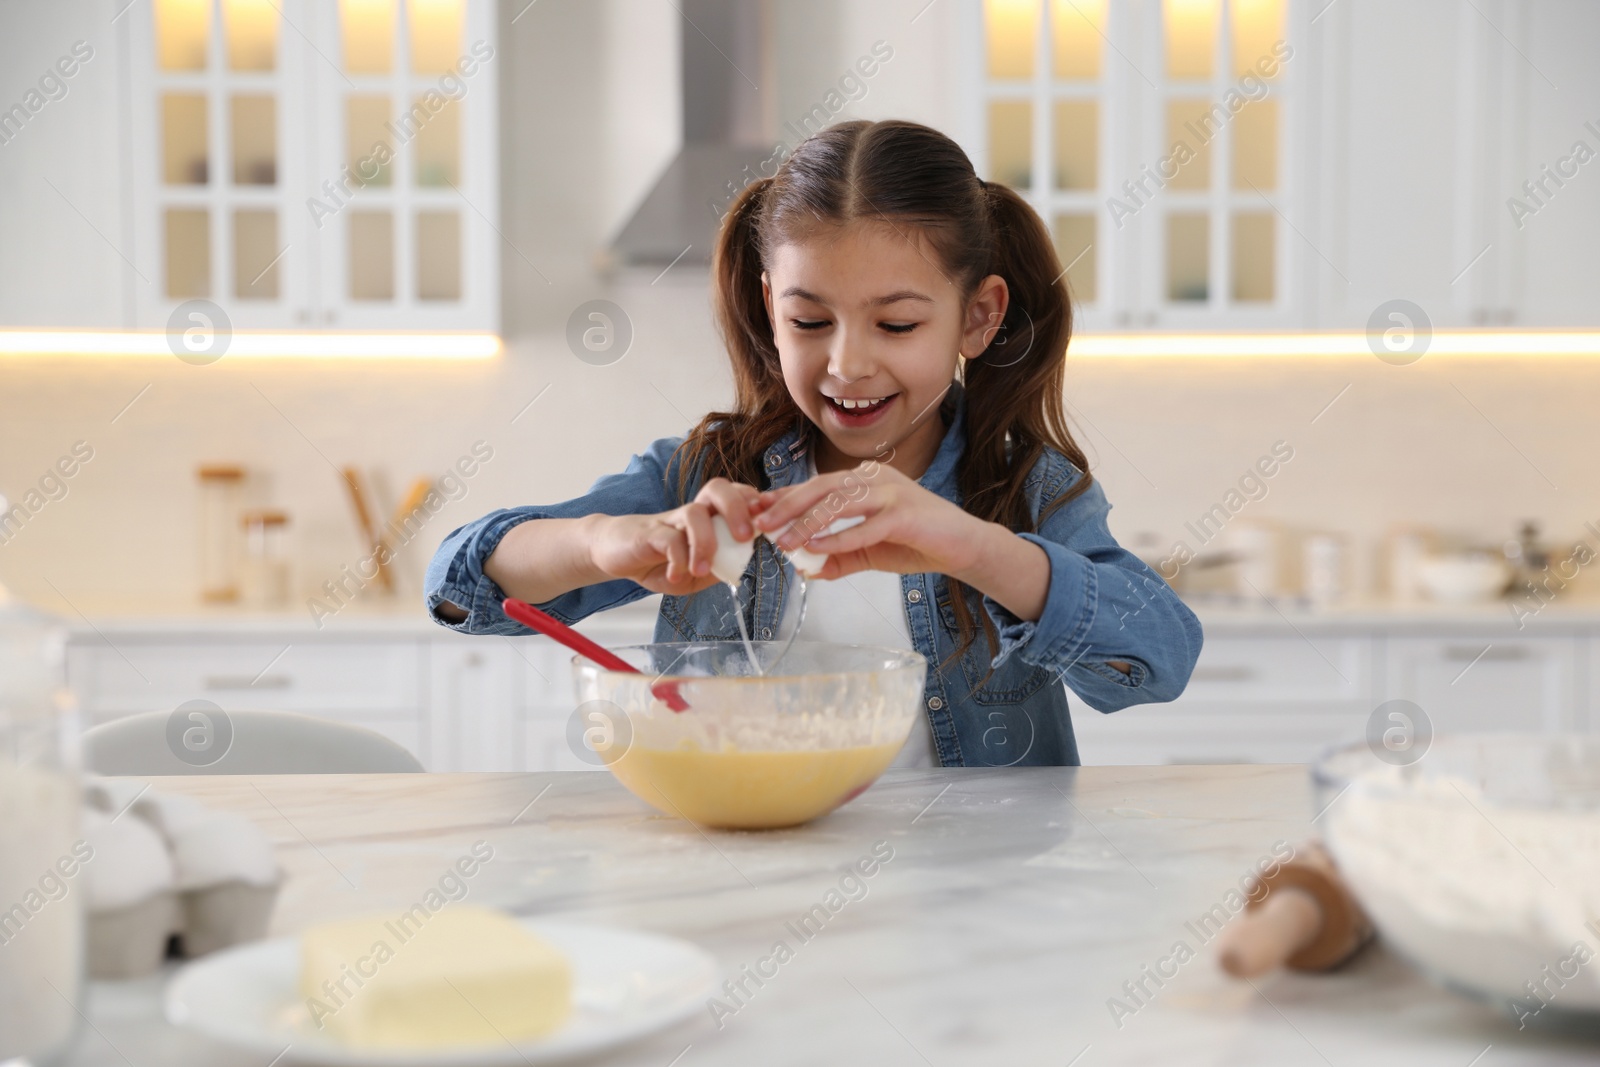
(727, 92)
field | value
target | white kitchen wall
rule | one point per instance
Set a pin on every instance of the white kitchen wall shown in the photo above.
(589, 118)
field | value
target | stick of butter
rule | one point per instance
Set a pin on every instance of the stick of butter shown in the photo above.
(460, 976)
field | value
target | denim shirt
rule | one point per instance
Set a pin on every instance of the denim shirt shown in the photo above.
(1009, 709)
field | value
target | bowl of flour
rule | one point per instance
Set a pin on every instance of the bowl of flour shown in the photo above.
(1480, 863)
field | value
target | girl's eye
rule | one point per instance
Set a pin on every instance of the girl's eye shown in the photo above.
(808, 324)
(899, 327)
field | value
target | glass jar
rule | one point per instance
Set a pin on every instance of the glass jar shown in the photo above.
(41, 879)
(220, 489)
(264, 570)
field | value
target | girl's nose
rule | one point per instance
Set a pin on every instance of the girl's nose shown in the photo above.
(848, 363)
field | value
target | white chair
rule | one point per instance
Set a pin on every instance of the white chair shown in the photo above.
(250, 742)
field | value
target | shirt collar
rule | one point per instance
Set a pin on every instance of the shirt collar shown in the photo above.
(785, 460)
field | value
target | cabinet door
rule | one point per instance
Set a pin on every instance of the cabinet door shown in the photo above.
(474, 688)
(1476, 683)
(547, 708)
(1552, 223)
(218, 163)
(1153, 136)
(400, 209)
(1251, 699)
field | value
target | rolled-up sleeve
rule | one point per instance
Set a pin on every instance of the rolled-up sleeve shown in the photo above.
(455, 574)
(1104, 604)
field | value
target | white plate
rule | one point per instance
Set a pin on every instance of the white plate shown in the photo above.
(626, 984)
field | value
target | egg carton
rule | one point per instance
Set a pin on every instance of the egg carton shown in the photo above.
(170, 876)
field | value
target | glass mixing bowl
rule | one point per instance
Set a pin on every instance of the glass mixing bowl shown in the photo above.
(1480, 862)
(752, 751)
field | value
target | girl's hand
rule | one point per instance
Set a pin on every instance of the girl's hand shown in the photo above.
(908, 529)
(671, 552)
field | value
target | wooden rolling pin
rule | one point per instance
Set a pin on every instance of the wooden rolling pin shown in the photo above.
(1307, 920)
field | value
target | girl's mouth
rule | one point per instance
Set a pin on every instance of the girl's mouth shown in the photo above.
(855, 412)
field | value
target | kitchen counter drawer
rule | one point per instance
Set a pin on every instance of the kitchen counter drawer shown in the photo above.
(1490, 682)
(1154, 735)
(1332, 672)
(349, 679)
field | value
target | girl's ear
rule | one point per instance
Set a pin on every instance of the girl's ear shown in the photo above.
(985, 312)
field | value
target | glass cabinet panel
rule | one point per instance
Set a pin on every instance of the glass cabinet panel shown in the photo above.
(182, 29)
(187, 236)
(1254, 258)
(1011, 143)
(1188, 257)
(1075, 241)
(1255, 146)
(438, 147)
(1077, 144)
(1077, 38)
(1011, 27)
(435, 35)
(256, 256)
(184, 152)
(253, 127)
(367, 32)
(438, 255)
(1191, 32)
(251, 27)
(369, 145)
(371, 255)
(1190, 123)
(1257, 27)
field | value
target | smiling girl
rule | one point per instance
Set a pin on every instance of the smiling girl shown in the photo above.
(898, 332)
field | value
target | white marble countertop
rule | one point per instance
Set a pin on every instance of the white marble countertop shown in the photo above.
(1016, 905)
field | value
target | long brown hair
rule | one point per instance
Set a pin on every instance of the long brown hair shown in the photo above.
(913, 178)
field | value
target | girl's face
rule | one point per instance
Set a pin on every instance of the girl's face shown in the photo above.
(868, 328)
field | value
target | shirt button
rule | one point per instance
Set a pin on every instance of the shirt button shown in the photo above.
(935, 703)
(766, 633)
(915, 596)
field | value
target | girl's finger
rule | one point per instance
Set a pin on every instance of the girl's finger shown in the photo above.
(802, 500)
(810, 527)
(702, 538)
(876, 529)
(733, 502)
(670, 542)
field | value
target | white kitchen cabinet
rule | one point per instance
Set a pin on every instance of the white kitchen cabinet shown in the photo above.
(1545, 271)
(342, 678)
(1252, 698)
(1261, 692)
(1484, 682)
(548, 704)
(474, 687)
(1164, 144)
(1403, 137)
(315, 164)
(375, 683)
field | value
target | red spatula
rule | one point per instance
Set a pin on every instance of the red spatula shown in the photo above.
(534, 619)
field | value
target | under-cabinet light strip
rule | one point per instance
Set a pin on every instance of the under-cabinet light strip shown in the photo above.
(254, 344)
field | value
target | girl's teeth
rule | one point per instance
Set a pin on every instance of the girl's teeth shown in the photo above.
(851, 405)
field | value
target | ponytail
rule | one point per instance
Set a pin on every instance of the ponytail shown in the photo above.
(1015, 406)
(741, 308)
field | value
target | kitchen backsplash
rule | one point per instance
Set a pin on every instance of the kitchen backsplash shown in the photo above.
(1469, 447)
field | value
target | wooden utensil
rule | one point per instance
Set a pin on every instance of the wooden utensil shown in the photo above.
(352, 481)
(1308, 920)
(531, 617)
